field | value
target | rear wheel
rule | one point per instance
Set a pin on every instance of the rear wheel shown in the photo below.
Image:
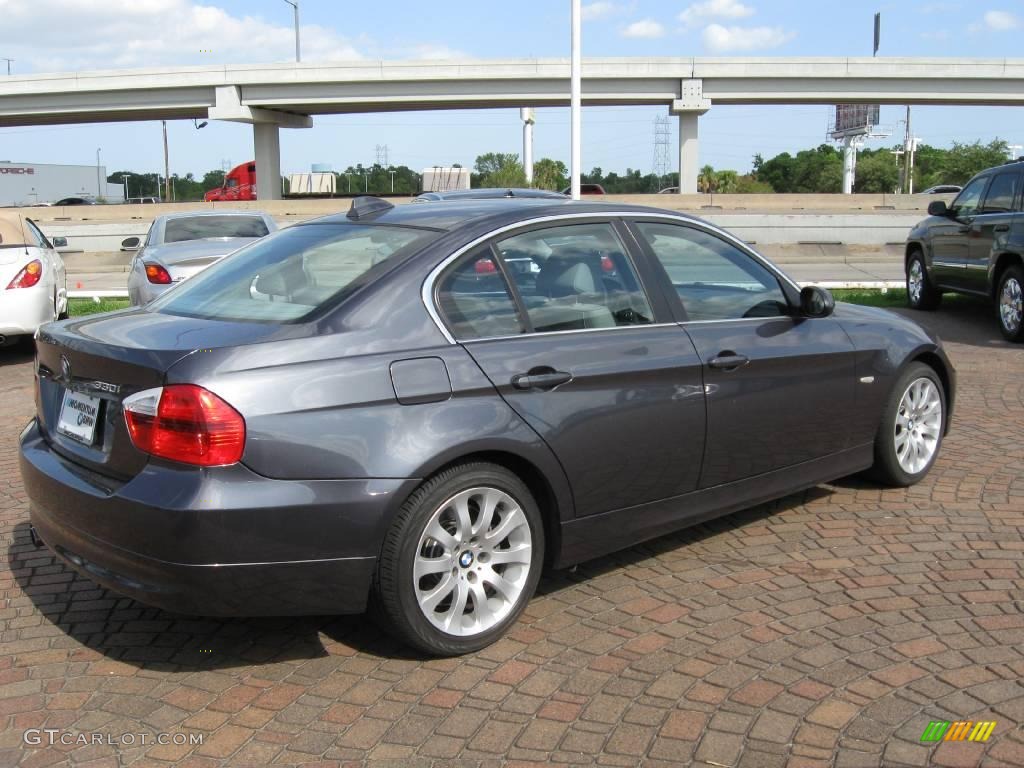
(921, 293)
(912, 426)
(1010, 303)
(461, 560)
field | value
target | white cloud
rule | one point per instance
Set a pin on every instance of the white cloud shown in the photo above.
(599, 10)
(721, 39)
(998, 21)
(645, 28)
(715, 9)
(938, 35)
(67, 35)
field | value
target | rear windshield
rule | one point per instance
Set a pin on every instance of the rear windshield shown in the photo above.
(293, 273)
(199, 227)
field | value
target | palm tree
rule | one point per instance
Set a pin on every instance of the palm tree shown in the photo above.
(707, 180)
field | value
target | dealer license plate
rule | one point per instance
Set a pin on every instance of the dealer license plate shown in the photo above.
(78, 416)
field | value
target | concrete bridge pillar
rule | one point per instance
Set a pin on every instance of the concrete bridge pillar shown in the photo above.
(267, 143)
(689, 107)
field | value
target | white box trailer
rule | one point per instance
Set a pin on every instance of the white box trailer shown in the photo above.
(444, 179)
(312, 184)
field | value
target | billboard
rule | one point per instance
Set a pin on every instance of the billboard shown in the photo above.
(854, 119)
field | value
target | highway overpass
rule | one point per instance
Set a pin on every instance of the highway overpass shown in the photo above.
(272, 96)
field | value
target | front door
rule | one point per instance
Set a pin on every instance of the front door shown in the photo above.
(951, 236)
(780, 389)
(991, 228)
(584, 361)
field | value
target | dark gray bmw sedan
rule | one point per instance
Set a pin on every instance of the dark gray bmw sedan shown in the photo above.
(422, 406)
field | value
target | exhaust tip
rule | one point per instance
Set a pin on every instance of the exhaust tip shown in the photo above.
(34, 535)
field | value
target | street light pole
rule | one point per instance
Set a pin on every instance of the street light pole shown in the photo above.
(99, 192)
(4, 58)
(124, 178)
(575, 102)
(167, 167)
(295, 5)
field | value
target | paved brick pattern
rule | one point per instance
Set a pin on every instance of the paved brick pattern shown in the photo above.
(824, 629)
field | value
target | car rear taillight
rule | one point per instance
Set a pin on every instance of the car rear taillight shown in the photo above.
(186, 423)
(157, 274)
(485, 266)
(607, 265)
(28, 276)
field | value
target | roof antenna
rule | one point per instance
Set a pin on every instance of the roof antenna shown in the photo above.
(365, 206)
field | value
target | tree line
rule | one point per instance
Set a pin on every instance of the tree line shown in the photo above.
(817, 170)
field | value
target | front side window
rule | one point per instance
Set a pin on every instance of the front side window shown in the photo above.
(1002, 193)
(200, 227)
(966, 203)
(475, 300)
(575, 277)
(715, 280)
(290, 275)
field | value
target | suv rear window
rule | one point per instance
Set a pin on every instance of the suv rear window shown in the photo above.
(293, 273)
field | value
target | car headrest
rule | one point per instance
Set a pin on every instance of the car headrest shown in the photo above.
(570, 274)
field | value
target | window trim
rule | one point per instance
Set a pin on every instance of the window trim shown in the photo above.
(428, 293)
(487, 251)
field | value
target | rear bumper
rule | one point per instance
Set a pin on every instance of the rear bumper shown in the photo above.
(23, 310)
(217, 542)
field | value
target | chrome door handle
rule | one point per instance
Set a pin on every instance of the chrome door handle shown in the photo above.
(728, 361)
(542, 379)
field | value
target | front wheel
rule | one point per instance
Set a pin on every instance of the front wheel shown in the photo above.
(461, 560)
(921, 294)
(1010, 303)
(912, 426)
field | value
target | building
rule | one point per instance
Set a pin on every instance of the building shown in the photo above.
(35, 183)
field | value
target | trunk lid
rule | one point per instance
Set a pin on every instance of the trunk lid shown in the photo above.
(87, 367)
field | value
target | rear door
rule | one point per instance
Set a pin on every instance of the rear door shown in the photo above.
(561, 321)
(951, 236)
(991, 227)
(780, 388)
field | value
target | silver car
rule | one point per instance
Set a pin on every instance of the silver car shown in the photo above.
(179, 245)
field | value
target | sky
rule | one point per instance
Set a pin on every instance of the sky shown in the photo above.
(77, 35)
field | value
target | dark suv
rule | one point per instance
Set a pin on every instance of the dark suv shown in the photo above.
(975, 245)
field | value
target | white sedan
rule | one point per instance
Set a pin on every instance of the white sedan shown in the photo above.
(33, 285)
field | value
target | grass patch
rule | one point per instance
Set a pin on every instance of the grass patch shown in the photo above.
(79, 307)
(872, 297)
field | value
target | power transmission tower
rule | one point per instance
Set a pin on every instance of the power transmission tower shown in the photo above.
(382, 155)
(662, 134)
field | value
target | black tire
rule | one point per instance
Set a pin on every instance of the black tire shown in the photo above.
(1011, 282)
(887, 468)
(928, 297)
(395, 601)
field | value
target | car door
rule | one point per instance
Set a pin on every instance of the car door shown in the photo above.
(779, 388)
(991, 227)
(950, 236)
(558, 318)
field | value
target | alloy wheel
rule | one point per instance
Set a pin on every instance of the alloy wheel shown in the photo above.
(1011, 305)
(918, 425)
(915, 281)
(472, 561)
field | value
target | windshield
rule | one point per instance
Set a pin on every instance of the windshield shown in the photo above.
(290, 275)
(199, 227)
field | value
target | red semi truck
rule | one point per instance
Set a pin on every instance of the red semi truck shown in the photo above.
(239, 184)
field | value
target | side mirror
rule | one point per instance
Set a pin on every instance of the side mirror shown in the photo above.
(59, 242)
(130, 244)
(938, 208)
(816, 302)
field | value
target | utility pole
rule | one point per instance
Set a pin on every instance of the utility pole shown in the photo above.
(167, 166)
(99, 188)
(392, 182)
(295, 6)
(4, 58)
(908, 158)
(124, 178)
(575, 101)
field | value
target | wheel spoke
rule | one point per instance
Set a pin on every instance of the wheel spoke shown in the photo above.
(454, 614)
(482, 611)
(501, 585)
(513, 556)
(430, 600)
(427, 565)
(488, 505)
(465, 524)
(511, 520)
(441, 536)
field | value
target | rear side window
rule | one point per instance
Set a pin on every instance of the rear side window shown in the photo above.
(292, 274)
(199, 227)
(1002, 193)
(475, 300)
(575, 277)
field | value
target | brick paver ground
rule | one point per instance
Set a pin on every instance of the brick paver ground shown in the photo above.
(827, 628)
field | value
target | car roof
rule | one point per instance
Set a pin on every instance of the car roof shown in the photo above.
(489, 193)
(497, 211)
(198, 214)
